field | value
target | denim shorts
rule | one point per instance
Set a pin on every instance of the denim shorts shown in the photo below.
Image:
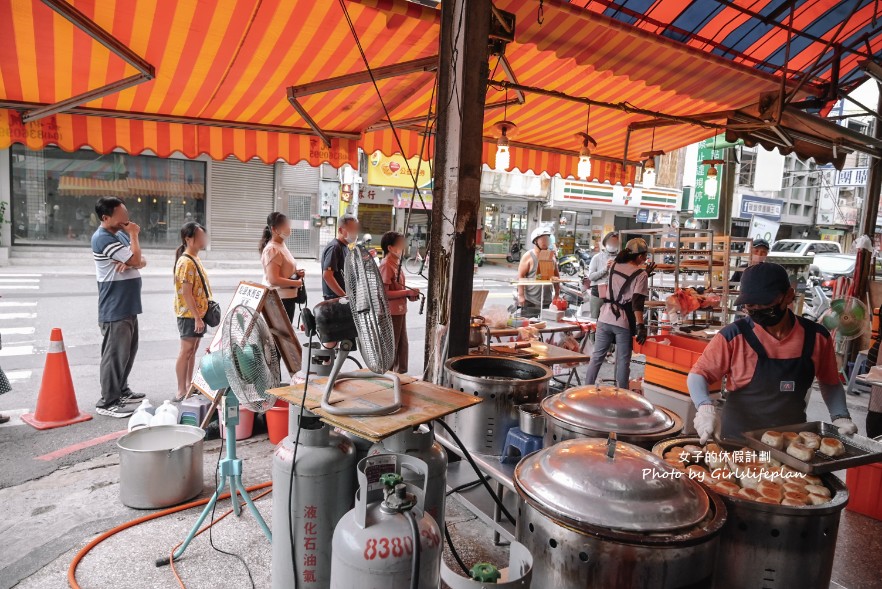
(187, 327)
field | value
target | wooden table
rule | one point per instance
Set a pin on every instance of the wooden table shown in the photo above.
(421, 402)
(551, 327)
(550, 355)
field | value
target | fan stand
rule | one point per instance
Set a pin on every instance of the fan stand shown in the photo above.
(229, 467)
(343, 353)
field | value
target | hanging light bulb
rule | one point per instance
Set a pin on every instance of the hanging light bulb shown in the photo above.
(710, 183)
(504, 128)
(583, 170)
(584, 167)
(503, 160)
(649, 164)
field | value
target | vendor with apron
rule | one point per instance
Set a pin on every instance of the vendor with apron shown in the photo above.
(770, 359)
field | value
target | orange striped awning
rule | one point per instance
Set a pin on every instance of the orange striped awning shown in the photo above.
(222, 68)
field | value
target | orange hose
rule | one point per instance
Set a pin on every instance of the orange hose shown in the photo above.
(72, 570)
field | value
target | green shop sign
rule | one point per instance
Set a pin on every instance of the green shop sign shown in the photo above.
(707, 205)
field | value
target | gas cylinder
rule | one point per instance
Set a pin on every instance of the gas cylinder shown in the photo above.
(374, 546)
(419, 442)
(323, 482)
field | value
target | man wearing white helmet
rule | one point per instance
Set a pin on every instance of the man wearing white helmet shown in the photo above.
(531, 298)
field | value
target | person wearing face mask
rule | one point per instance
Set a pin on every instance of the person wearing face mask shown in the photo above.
(531, 298)
(598, 270)
(334, 256)
(759, 251)
(279, 266)
(398, 294)
(770, 359)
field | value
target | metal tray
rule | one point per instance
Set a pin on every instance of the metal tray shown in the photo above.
(858, 449)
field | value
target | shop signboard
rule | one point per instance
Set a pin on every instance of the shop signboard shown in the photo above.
(597, 195)
(403, 197)
(643, 215)
(852, 177)
(704, 205)
(377, 195)
(756, 205)
(393, 171)
(763, 228)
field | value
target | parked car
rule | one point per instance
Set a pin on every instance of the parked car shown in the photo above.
(832, 266)
(791, 248)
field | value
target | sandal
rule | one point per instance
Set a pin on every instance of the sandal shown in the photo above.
(3, 418)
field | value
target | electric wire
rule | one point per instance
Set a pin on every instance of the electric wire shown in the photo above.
(171, 560)
(463, 487)
(415, 561)
(294, 459)
(233, 491)
(477, 470)
(454, 553)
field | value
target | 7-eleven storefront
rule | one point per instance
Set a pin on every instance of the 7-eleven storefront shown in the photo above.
(582, 212)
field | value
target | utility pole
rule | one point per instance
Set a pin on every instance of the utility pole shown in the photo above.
(462, 85)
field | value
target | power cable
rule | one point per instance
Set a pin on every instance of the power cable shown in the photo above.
(294, 460)
(477, 470)
(214, 508)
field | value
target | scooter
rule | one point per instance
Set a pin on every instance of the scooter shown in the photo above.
(568, 264)
(514, 253)
(479, 256)
(819, 305)
(584, 258)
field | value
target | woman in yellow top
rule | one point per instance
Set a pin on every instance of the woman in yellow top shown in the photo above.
(279, 266)
(192, 293)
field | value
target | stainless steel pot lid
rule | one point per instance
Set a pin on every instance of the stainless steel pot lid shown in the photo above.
(635, 490)
(607, 409)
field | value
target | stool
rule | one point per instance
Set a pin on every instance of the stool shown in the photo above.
(856, 385)
(517, 445)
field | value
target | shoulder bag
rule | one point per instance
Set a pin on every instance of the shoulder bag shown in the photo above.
(212, 316)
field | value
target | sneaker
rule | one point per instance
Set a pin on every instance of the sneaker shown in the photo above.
(131, 396)
(115, 410)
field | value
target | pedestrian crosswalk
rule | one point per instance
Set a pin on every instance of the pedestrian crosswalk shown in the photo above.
(17, 322)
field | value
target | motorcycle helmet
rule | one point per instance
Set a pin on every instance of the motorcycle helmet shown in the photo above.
(539, 232)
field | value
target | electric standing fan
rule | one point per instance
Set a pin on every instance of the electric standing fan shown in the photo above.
(847, 317)
(360, 319)
(244, 367)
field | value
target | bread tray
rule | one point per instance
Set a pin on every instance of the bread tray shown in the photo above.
(859, 450)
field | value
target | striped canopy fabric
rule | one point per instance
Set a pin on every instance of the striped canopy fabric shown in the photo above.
(755, 33)
(223, 67)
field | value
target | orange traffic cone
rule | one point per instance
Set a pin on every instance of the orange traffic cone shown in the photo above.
(57, 401)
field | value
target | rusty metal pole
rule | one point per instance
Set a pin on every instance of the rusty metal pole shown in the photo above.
(462, 85)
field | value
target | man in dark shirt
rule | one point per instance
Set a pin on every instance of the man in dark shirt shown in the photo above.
(333, 284)
(116, 250)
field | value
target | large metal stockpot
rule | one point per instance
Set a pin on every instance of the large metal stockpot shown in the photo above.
(775, 546)
(594, 411)
(601, 514)
(503, 384)
(160, 466)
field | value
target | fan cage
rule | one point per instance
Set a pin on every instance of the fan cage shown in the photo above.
(370, 310)
(251, 361)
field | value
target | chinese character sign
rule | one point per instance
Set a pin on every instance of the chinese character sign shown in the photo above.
(707, 206)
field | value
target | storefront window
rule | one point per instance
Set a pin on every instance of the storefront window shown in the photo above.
(54, 194)
(504, 225)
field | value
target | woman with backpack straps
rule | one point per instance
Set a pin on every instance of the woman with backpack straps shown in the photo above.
(621, 316)
(192, 296)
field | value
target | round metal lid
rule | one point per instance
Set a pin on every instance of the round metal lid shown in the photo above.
(607, 409)
(635, 490)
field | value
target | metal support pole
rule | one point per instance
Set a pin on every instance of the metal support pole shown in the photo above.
(462, 85)
(871, 206)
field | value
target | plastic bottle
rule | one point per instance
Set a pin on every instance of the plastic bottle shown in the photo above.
(142, 416)
(167, 412)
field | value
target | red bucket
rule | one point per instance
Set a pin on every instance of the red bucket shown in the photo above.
(277, 422)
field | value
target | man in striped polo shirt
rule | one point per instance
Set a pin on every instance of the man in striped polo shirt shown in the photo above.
(117, 252)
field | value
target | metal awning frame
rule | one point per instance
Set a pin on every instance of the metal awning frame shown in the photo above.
(145, 70)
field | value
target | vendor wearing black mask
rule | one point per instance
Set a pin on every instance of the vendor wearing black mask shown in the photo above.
(770, 359)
